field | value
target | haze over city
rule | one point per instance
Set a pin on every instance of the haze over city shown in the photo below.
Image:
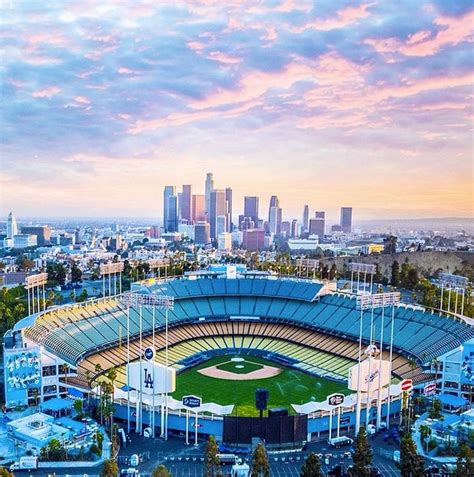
(367, 104)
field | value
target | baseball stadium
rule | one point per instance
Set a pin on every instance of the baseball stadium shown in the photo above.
(225, 337)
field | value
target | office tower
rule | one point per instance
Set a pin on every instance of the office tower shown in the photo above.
(218, 207)
(251, 208)
(202, 233)
(24, 241)
(186, 203)
(274, 225)
(209, 186)
(246, 223)
(274, 202)
(285, 229)
(173, 214)
(317, 225)
(168, 192)
(346, 219)
(42, 232)
(224, 241)
(336, 228)
(12, 228)
(221, 224)
(254, 239)
(294, 228)
(305, 225)
(228, 199)
(198, 208)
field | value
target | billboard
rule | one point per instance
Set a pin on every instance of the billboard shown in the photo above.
(370, 372)
(151, 378)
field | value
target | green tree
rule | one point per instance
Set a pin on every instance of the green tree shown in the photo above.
(465, 461)
(76, 273)
(425, 432)
(5, 473)
(311, 466)
(333, 272)
(160, 471)
(83, 296)
(395, 278)
(211, 461)
(362, 455)
(24, 263)
(78, 406)
(260, 466)
(411, 464)
(435, 410)
(110, 468)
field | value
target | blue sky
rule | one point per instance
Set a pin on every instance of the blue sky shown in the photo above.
(328, 103)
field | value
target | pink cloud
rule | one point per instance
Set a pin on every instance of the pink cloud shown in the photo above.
(82, 100)
(223, 58)
(452, 31)
(48, 92)
(345, 17)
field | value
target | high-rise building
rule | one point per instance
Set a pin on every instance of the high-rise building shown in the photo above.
(186, 203)
(317, 225)
(42, 232)
(305, 225)
(167, 193)
(209, 186)
(218, 207)
(173, 214)
(228, 199)
(251, 208)
(346, 219)
(221, 224)
(24, 240)
(294, 228)
(12, 228)
(224, 241)
(285, 229)
(198, 208)
(274, 224)
(202, 234)
(254, 239)
(246, 223)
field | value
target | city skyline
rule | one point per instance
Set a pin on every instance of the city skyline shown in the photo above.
(365, 104)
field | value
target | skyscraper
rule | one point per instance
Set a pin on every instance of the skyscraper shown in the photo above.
(274, 223)
(202, 234)
(294, 228)
(12, 228)
(346, 219)
(173, 214)
(167, 193)
(209, 186)
(186, 203)
(42, 232)
(221, 224)
(317, 225)
(251, 208)
(218, 207)
(228, 199)
(198, 208)
(305, 226)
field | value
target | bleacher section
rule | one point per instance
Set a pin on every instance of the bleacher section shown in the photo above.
(73, 332)
(315, 352)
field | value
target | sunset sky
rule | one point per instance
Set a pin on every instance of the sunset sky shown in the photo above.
(329, 103)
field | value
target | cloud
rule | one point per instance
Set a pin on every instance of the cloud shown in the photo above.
(48, 92)
(450, 32)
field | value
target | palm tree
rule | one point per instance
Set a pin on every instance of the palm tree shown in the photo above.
(112, 376)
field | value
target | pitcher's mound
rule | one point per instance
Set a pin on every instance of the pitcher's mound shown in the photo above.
(238, 369)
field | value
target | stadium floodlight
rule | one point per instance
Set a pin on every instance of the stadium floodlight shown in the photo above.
(377, 300)
(367, 268)
(153, 301)
(363, 269)
(158, 262)
(109, 269)
(140, 299)
(456, 283)
(372, 302)
(307, 264)
(32, 283)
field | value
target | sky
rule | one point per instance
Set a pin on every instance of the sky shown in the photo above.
(327, 103)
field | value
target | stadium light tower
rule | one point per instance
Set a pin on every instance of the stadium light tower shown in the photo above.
(363, 269)
(453, 282)
(372, 302)
(163, 302)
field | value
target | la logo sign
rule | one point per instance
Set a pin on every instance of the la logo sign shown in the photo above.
(151, 378)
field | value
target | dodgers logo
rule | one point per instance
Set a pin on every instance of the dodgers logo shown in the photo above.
(148, 380)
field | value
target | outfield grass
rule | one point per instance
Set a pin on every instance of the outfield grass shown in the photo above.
(289, 387)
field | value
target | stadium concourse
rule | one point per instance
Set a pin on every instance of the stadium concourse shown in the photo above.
(305, 330)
